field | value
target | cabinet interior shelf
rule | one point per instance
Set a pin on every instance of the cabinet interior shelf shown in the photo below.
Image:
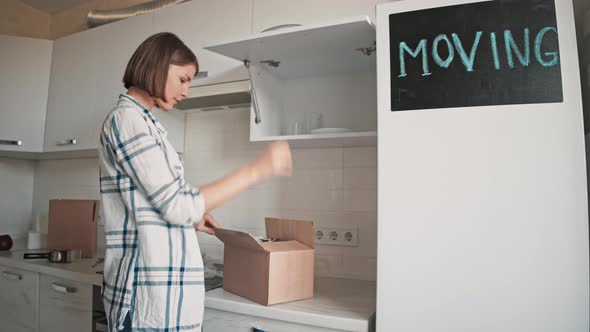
(350, 139)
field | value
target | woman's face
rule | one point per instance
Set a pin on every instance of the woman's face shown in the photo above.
(177, 84)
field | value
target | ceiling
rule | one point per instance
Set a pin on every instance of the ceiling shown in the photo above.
(53, 6)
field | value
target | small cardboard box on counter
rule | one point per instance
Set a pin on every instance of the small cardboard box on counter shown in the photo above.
(274, 271)
(72, 225)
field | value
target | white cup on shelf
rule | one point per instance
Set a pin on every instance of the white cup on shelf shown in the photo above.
(297, 128)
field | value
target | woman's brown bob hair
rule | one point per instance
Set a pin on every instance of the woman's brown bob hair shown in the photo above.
(148, 67)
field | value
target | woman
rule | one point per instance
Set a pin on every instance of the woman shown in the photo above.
(153, 273)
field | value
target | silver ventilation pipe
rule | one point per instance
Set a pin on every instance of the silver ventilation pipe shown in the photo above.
(100, 17)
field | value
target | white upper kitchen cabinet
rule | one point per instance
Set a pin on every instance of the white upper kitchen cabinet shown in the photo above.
(87, 79)
(73, 92)
(313, 85)
(202, 22)
(25, 66)
(269, 14)
(130, 32)
(119, 39)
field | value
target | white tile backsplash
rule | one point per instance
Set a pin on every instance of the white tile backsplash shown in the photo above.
(359, 178)
(64, 179)
(317, 158)
(360, 157)
(16, 196)
(331, 186)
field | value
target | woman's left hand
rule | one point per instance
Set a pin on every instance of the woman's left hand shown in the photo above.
(207, 224)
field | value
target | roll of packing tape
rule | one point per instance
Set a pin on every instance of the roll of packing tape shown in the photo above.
(34, 240)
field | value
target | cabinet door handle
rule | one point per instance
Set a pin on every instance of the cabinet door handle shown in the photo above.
(10, 142)
(281, 26)
(63, 289)
(71, 141)
(12, 276)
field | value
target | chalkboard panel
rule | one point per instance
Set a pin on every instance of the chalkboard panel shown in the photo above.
(487, 53)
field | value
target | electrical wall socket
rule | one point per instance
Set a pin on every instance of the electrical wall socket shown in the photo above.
(336, 236)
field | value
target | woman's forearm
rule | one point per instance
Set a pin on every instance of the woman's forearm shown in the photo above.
(274, 161)
(226, 188)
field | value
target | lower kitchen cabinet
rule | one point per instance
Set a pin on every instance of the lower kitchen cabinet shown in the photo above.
(224, 321)
(18, 302)
(64, 305)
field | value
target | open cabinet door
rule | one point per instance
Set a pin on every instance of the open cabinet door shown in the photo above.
(324, 71)
(482, 208)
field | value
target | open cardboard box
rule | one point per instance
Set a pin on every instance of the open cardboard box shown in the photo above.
(72, 225)
(270, 272)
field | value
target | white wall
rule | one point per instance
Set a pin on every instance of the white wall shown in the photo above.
(16, 196)
(64, 179)
(483, 216)
(332, 187)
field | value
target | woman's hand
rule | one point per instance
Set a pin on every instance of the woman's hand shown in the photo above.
(207, 224)
(275, 161)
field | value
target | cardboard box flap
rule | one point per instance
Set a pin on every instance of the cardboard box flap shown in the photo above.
(287, 230)
(238, 239)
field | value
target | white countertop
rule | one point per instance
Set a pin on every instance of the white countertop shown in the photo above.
(81, 271)
(340, 304)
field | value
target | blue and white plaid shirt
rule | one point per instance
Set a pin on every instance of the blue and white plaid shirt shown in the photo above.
(153, 267)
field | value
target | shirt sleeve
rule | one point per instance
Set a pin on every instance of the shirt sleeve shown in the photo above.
(140, 155)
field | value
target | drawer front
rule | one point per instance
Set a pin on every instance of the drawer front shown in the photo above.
(225, 321)
(64, 305)
(18, 302)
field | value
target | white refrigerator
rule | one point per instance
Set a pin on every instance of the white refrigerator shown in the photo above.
(483, 216)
